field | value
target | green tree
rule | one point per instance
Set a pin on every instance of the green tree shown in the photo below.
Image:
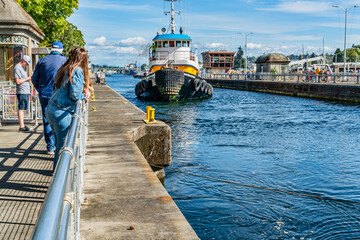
(50, 15)
(143, 67)
(338, 55)
(352, 54)
(72, 37)
(239, 61)
(313, 55)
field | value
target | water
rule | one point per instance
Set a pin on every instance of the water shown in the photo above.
(281, 142)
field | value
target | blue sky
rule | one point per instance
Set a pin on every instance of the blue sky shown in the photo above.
(119, 31)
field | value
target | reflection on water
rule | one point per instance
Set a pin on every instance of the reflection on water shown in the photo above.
(294, 144)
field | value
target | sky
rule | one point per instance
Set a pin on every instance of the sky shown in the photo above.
(117, 32)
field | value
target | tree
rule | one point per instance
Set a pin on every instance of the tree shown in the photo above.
(72, 37)
(143, 67)
(338, 56)
(50, 16)
(239, 61)
(313, 55)
(352, 54)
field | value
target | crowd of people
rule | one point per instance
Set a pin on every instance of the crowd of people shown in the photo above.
(60, 83)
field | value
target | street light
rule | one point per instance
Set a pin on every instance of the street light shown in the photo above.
(346, 11)
(246, 35)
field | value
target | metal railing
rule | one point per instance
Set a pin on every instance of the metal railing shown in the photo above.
(8, 104)
(307, 77)
(176, 55)
(60, 213)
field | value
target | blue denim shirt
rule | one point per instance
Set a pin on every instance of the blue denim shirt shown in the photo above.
(65, 98)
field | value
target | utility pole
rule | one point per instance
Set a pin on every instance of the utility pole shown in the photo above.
(346, 12)
(246, 35)
(324, 50)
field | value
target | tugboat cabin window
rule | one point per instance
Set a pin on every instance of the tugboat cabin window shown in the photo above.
(184, 44)
(166, 44)
(172, 44)
(159, 45)
(178, 43)
(188, 43)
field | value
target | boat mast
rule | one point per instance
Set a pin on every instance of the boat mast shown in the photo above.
(172, 12)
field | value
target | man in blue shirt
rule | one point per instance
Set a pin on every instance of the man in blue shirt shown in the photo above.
(43, 80)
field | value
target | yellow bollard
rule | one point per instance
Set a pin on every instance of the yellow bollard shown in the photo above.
(150, 115)
(92, 96)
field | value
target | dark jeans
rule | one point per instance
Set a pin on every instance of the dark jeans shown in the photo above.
(48, 134)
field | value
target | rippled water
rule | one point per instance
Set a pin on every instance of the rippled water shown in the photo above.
(292, 144)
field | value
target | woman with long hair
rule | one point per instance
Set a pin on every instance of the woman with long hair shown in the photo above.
(71, 85)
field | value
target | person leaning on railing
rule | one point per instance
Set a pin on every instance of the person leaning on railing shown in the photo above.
(71, 85)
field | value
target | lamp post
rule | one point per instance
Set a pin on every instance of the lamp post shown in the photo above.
(346, 12)
(246, 35)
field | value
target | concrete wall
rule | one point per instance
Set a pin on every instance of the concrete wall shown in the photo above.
(154, 142)
(311, 90)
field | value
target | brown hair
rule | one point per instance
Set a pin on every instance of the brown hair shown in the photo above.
(77, 58)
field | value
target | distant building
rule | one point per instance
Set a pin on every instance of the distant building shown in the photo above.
(277, 61)
(19, 35)
(218, 61)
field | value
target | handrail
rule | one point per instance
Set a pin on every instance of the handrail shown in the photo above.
(307, 77)
(62, 202)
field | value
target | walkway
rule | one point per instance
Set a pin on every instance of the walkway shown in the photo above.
(124, 198)
(24, 178)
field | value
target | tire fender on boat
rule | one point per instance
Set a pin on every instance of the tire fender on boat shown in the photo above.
(210, 91)
(143, 85)
(137, 90)
(204, 85)
(197, 84)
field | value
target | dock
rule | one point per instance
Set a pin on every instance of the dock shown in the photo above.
(121, 191)
(122, 196)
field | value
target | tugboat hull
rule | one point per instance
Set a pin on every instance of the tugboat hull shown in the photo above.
(172, 85)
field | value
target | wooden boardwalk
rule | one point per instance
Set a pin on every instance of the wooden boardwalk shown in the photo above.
(25, 174)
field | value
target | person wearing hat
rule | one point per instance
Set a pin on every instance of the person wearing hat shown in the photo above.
(22, 90)
(43, 80)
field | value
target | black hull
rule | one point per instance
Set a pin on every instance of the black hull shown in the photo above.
(172, 85)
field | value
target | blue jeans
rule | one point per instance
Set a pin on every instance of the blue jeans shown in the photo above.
(60, 122)
(48, 134)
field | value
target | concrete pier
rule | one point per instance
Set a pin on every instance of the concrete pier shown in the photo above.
(330, 91)
(123, 197)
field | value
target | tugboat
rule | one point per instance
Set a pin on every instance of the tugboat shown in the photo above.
(130, 69)
(173, 68)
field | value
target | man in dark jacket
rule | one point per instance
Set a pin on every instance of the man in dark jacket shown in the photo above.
(43, 80)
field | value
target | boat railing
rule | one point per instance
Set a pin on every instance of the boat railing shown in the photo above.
(171, 56)
(307, 77)
(60, 213)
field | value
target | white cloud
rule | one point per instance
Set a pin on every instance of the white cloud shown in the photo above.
(254, 46)
(126, 50)
(300, 7)
(215, 45)
(133, 41)
(100, 40)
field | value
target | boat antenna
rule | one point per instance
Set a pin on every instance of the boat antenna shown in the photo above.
(172, 12)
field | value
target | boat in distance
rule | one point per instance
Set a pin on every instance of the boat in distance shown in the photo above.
(173, 68)
(130, 69)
